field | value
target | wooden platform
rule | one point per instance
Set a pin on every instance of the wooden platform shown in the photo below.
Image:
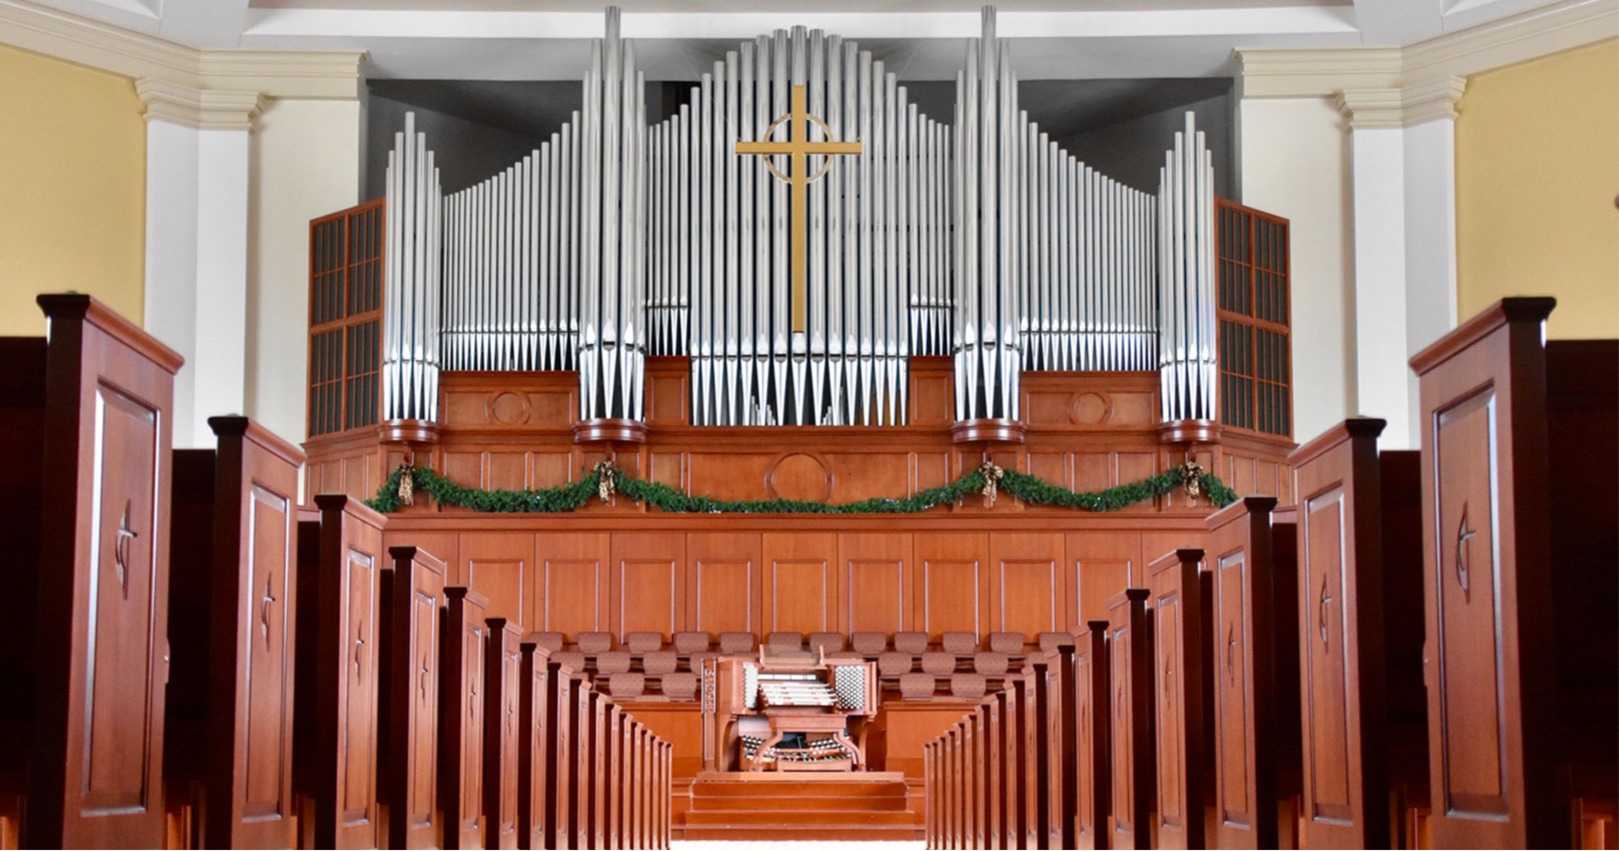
(768, 805)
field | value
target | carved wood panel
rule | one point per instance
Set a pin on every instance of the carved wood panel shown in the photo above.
(414, 592)
(1177, 620)
(500, 567)
(1026, 585)
(951, 595)
(573, 594)
(876, 573)
(725, 579)
(1330, 765)
(461, 733)
(648, 583)
(502, 734)
(800, 582)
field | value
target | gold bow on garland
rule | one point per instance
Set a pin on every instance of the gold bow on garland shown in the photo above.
(1191, 473)
(992, 480)
(407, 484)
(606, 473)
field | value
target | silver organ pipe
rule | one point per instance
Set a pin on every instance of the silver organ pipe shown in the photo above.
(980, 238)
(1187, 369)
(412, 280)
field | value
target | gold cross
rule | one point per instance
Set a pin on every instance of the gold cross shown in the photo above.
(799, 148)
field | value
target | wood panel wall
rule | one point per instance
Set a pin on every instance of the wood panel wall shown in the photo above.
(668, 574)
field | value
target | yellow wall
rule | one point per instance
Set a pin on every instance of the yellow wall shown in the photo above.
(1537, 172)
(72, 188)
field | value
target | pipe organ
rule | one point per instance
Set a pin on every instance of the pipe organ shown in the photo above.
(798, 230)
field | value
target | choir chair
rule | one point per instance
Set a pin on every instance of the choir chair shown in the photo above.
(229, 727)
(1520, 437)
(1360, 634)
(87, 412)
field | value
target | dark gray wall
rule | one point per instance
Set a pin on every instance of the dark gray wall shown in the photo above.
(1120, 127)
(1131, 149)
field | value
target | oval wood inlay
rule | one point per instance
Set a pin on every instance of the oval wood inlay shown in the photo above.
(800, 476)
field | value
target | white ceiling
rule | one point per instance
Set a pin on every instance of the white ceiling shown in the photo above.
(679, 39)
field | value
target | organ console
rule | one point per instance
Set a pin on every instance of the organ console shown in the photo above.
(791, 711)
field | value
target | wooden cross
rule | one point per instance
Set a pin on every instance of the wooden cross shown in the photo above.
(799, 148)
(264, 608)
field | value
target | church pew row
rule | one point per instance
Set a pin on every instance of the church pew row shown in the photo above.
(87, 415)
(494, 744)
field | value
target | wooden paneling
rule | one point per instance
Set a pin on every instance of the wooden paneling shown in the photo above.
(1027, 585)
(725, 578)
(501, 568)
(800, 582)
(951, 596)
(876, 573)
(648, 583)
(1099, 567)
(573, 583)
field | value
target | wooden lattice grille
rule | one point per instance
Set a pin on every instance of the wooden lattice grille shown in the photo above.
(345, 318)
(1256, 353)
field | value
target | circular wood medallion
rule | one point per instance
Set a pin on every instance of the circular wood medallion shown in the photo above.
(800, 476)
(1090, 409)
(508, 408)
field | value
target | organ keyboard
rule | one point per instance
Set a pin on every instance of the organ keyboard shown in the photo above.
(751, 704)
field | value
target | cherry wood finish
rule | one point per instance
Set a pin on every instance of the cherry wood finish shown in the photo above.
(1521, 666)
(1133, 781)
(231, 671)
(537, 741)
(1181, 696)
(501, 733)
(335, 742)
(413, 595)
(95, 744)
(563, 810)
(1092, 718)
(1364, 706)
(1253, 568)
(22, 421)
(462, 690)
(1056, 709)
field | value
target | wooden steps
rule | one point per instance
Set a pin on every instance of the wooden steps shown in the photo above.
(872, 807)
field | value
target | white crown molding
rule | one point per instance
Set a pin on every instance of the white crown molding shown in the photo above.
(203, 109)
(1326, 72)
(324, 75)
(1381, 108)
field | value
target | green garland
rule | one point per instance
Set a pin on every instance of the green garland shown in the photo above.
(605, 479)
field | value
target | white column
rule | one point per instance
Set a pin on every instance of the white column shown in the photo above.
(197, 157)
(1404, 200)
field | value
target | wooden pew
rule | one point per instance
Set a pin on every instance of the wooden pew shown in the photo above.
(1055, 680)
(501, 732)
(1028, 767)
(536, 746)
(461, 717)
(563, 809)
(412, 597)
(339, 624)
(1359, 609)
(584, 774)
(1256, 696)
(1178, 621)
(1092, 717)
(1522, 661)
(994, 742)
(1130, 649)
(229, 727)
(87, 418)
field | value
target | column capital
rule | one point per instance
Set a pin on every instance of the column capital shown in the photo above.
(1413, 103)
(202, 109)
